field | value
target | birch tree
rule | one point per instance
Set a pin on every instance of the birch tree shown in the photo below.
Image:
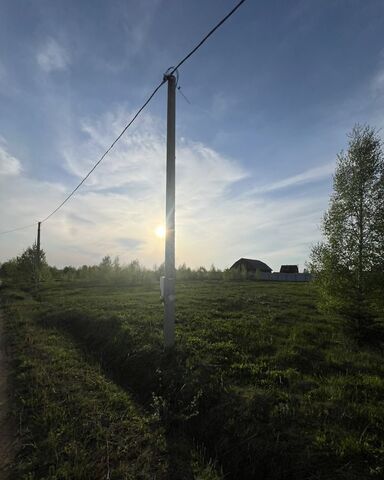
(349, 263)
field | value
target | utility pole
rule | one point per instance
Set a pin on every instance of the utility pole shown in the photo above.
(38, 253)
(169, 281)
(38, 240)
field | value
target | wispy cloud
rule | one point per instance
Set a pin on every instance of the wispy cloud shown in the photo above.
(222, 104)
(136, 24)
(138, 160)
(137, 31)
(377, 85)
(9, 165)
(52, 56)
(309, 176)
(118, 209)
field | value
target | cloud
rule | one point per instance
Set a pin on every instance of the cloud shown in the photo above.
(222, 104)
(136, 26)
(9, 165)
(52, 56)
(137, 153)
(309, 176)
(117, 210)
(138, 160)
(378, 83)
(131, 243)
(377, 80)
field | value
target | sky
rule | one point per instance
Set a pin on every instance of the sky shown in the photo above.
(271, 97)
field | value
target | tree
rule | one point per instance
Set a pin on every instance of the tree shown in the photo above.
(106, 264)
(26, 269)
(349, 264)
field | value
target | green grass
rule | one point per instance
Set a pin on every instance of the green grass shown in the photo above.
(260, 380)
(74, 423)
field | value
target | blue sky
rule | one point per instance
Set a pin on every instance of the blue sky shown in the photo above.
(272, 96)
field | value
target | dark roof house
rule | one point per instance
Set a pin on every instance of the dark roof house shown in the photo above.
(289, 269)
(251, 266)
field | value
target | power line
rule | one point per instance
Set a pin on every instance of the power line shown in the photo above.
(107, 151)
(19, 228)
(167, 74)
(182, 94)
(211, 32)
(144, 105)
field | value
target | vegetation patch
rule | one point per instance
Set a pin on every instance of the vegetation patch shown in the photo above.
(276, 393)
(73, 422)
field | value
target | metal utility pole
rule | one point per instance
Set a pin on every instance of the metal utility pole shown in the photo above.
(169, 281)
(38, 239)
(38, 253)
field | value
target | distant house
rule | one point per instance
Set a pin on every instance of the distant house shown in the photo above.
(251, 266)
(289, 269)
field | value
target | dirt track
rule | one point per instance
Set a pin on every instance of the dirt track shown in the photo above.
(6, 430)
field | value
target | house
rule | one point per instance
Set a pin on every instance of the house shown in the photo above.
(251, 266)
(289, 269)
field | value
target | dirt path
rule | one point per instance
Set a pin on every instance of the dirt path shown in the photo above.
(6, 430)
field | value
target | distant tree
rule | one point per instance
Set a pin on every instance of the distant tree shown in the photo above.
(215, 273)
(55, 273)
(183, 272)
(69, 273)
(8, 270)
(349, 264)
(23, 270)
(201, 273)
(116, 265)
(160, 270)
(238, 274)
(106, 264)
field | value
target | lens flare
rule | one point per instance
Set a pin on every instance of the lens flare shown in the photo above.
(160, 231)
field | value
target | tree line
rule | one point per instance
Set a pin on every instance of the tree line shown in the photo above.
(26, 271)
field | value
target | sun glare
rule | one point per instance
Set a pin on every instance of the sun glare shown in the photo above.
(160, 231)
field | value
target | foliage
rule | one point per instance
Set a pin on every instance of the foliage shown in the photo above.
(238, 274)
(349, 264)
(185, 273)
(22, 271)
(25, 270)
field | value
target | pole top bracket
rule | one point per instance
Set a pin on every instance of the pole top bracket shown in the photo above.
(171, 72)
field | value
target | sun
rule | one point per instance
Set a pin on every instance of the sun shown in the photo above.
(160, 231)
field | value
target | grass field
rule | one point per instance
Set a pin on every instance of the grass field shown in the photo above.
(261, 385)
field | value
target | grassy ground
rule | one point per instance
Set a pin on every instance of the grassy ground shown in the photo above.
(260, 381)
(73, 422)
(6, 426)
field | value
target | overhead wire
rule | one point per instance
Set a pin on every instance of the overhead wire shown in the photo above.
(182, 94)
(171, 71)
(19, 228)
(106, 152)
(211, 32)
